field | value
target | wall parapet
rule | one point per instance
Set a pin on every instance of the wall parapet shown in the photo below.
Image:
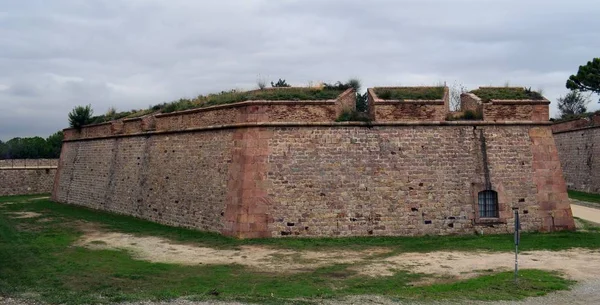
(577, 124)
(230, 114)
(28, 163)
(496, 109)
(407, 109)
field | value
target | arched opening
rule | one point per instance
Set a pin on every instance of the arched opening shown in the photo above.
(488, 204)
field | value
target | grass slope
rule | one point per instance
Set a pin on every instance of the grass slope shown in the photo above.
(589, 197)
(37, 260)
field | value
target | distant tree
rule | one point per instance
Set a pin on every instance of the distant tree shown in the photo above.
(280, 83)
(587, 77)
(572, 104)
(80, 115)
(455, 91)
(3, 151)
(54, 145)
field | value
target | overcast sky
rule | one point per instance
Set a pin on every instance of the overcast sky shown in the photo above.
(130, 54)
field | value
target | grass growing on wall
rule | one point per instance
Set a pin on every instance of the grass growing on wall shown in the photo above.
(38, 260)
(507, 93)
(410, 93)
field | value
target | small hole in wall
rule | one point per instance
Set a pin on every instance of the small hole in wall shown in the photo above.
(427, 222)
(322, 194)
(167, 177)
(522, 200)
(306, 228)
(173, 150)
(451, 225)
(526, 212)
(283, 233)
(421, 184)
(393, 152)
(222, 213)
(414, 209)
(523, 163)
(290, 224)
(370, 232)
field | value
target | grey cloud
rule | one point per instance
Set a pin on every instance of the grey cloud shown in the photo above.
(55, 55)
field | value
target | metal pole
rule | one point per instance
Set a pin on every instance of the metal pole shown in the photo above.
(516, 264)
(517, 241)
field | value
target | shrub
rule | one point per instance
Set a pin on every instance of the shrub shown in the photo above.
(353, 116)
(468, 115)
(80, 116)
(280, 83)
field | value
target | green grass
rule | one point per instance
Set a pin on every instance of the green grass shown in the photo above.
(38, 261)
(589, 197)
(506, 93)
(410, 93)
(229, 97)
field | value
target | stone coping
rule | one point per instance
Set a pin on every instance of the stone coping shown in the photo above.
(380, 101)
(28, 167)
(576, 129)
(518, 102)
(323, 124)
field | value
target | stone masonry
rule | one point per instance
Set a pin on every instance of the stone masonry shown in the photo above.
(25, 177)
(256, 176)
(578, 143)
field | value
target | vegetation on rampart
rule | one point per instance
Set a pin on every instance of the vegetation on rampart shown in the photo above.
(507, 93)
(410, 93)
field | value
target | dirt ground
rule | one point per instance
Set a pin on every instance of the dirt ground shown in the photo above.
(577, 264)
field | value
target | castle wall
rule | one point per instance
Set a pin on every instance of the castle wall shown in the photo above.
(26, 177)
(320, 178)
(578, 143)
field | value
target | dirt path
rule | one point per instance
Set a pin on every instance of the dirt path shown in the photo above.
(577, 264)
(589, 214)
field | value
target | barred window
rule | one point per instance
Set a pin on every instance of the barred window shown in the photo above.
(488, 204)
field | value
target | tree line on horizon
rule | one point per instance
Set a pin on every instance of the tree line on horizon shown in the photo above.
(32, 147)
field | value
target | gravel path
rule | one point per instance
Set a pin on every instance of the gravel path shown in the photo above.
(587, 293)
(587, 213)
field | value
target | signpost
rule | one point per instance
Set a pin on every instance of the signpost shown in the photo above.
(517, 241)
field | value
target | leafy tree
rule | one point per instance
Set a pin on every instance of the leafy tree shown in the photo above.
(587, 77)
(80, 116)
(54, 145)
(362, 102)
(3, 150)
(32, 148)
(280, 83)
(572, 104)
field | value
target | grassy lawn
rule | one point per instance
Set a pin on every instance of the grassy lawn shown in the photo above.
(589, 197)
(38, 261)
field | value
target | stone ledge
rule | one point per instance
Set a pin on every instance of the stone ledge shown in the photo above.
(324, 124)
(28, 167)
(575, 129)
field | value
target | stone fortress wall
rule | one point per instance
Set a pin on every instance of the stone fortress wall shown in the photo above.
(27, 176)
(578, 143)
(286, 168)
